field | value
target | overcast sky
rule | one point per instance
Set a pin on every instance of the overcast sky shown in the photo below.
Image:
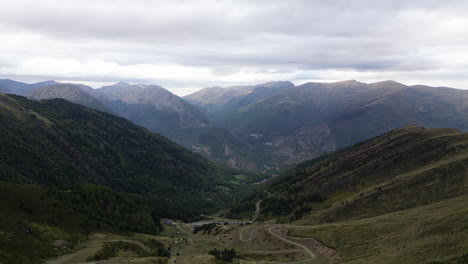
(185, 45)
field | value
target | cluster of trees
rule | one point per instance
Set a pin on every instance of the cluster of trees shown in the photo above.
(206, 228)
(225, 255)
(64, 144)
(99, 206)
(110, 250)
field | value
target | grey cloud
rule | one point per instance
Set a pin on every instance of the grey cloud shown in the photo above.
(361, 35)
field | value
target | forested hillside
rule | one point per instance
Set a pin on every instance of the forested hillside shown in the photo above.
(60, 144)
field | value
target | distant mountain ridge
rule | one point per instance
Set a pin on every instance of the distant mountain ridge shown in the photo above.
(79, 94)
(306, 121)
(277, 124)
(155, 108)
(161, 111)
(220, 102)
(20, 88)
(150, 99)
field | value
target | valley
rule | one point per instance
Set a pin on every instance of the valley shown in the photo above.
(79, 183)
(357, 241)
(233, 132)
(252, 241)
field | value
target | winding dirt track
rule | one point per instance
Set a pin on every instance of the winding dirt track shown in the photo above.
(178, 227)
(270, 229)
(252, 234)
(311, 254)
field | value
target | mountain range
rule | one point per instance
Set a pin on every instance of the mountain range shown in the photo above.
(76, 161)
(298, 123)
(20, 88)
(271, 125)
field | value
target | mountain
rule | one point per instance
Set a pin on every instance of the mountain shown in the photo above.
(57, 143)
(76, 93)
(19, 88)
(220, 102)
(154, 106)
(396, 198)
(312, 119)
(67, 171)
(161, 111)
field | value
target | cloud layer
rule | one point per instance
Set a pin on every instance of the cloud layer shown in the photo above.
(188, 44)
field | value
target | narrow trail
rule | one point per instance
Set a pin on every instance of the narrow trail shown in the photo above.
(178, 227)
(253, 233)
(311, 254)
(257, 207)
(257, 210)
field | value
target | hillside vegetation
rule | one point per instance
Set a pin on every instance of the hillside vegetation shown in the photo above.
(68, 170)
(59, 144)
(401, 197)
(39, 223)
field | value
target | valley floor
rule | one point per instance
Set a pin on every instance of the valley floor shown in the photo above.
(435, 233)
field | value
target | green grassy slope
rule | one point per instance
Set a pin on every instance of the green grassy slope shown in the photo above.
(401, 169)
(397, 198)
(435, 233)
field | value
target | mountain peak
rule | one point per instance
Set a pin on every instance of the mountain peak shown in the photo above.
(388, 82)
(276, 84)
(121, 84)
(76, 93)
(48, 82)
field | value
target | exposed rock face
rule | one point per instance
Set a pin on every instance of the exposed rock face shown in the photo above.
(305, 143)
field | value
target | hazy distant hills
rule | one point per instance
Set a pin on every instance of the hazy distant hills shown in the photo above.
(302, 122)
(14, 87)
(155, 108)
(152, 106)
(79, 94)
(273, 124)
(161, 111)
(220, 102)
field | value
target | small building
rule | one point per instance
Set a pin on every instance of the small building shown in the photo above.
(167, 221)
